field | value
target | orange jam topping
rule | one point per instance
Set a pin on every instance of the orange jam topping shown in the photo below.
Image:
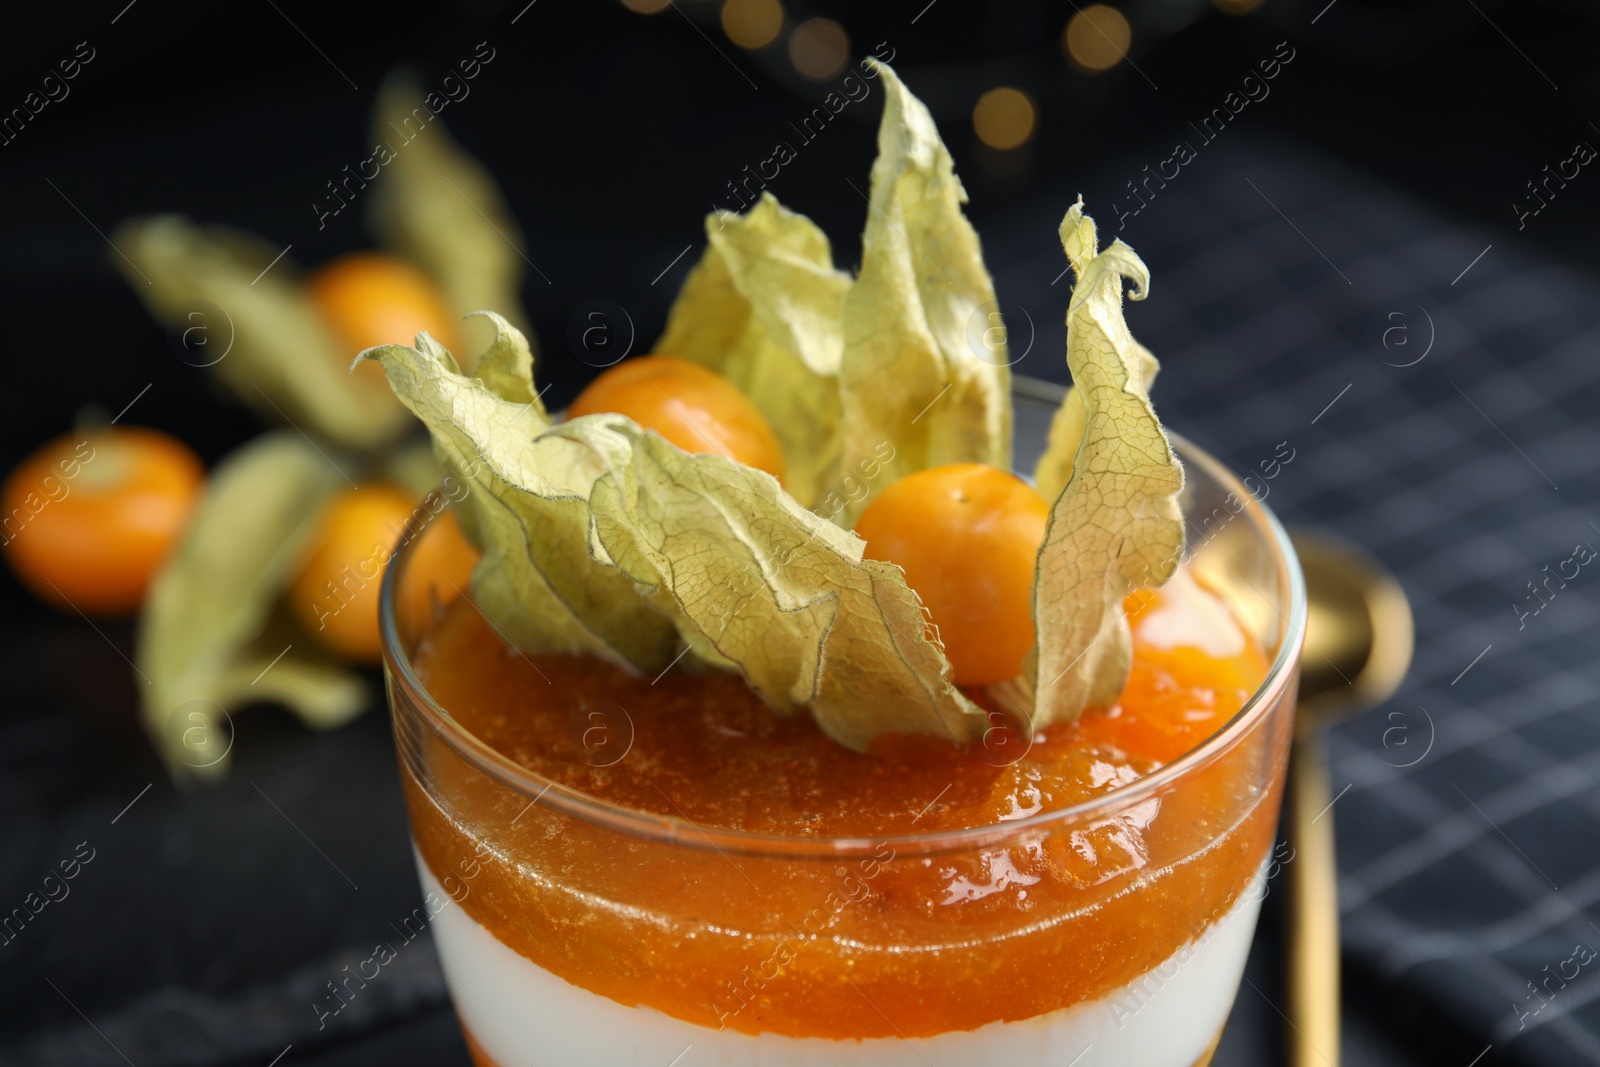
(888, 939)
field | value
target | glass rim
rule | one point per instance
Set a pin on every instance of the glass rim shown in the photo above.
(668, 829)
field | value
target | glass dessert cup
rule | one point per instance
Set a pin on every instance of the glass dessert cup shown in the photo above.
(574, 930)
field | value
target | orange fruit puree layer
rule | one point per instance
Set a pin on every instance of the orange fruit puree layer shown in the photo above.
(894, 940)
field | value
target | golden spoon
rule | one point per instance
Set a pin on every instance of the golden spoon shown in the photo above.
(1357, 648)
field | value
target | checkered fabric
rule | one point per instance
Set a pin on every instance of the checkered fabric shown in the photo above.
(1439, 396)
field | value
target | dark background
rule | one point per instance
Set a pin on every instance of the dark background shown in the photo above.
(612, 133)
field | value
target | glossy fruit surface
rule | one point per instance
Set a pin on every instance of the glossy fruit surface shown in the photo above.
(89, 518)
(694, 408)
(967, 536)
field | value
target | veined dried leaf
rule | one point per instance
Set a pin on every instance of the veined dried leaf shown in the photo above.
(1117, 526)
(912, 372)
(774, 589)
(526, 505)
(440, 208)
(762, 308)
(202, 621)
(602, 538)
(279, 356)
(1054, 469)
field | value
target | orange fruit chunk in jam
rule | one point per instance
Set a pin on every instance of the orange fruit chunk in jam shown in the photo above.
(928, 941)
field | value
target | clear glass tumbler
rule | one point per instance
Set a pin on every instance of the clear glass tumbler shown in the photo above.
(575, 931)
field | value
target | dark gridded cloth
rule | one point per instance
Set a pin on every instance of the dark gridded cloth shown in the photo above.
(1289, 296)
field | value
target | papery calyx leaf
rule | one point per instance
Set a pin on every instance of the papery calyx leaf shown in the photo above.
(1054, 469)
(440, 208)
(1117, 525)
(762, 308)
(203, 648)
(525, 505)
(782, 594)
(600, 537)
(922, 366)
(240, 307)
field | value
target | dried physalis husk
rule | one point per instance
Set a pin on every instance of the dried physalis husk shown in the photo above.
(210, 638)
(903, 362)
(1117, 525)
(601, 537)
(263, 337)
(526, 504)
(762, 308)
(440, 208)
(921, 368)
(780, 593)
(241, 306)
(1054, 469)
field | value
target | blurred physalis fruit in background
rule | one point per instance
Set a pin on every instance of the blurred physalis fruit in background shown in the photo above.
(696, 409)
(439, 570)
(370, 299)
(334, 593)
(90, 517)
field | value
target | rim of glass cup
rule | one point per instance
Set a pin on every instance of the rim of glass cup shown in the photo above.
(668, 829)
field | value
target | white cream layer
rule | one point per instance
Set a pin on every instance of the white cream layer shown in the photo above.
(521, 1014)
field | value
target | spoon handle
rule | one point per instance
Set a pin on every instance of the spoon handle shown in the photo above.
(1313, 960)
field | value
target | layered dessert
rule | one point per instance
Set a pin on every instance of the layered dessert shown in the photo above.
(1045, 943)
(783, 724)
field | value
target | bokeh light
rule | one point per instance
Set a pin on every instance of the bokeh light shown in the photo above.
(1003, 117)
(752, 24)
(1097, 38)
(819, 48)
(646, 7)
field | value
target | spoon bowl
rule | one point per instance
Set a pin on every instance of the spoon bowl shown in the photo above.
(1359, 630)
